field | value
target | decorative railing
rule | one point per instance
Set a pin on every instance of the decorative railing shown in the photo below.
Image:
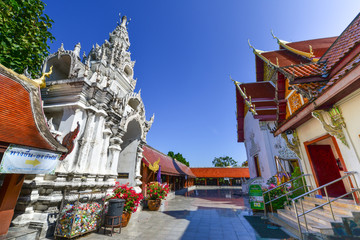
(328, 202)
(287, 192)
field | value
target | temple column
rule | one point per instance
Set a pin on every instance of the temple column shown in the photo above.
(217, 181)
(96, 144)
(85, 143)
(205, 182)
(137, 168)
(104, 152)
(114, 149)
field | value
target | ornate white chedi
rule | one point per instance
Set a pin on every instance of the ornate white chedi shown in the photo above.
(92, 108)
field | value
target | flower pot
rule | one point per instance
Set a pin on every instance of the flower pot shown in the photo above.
(154, 205)
(125, 219)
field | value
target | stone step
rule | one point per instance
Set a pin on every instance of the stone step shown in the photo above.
(289, 226)
(313, 223)
(318, 215)
(337, 210)
(341, 203)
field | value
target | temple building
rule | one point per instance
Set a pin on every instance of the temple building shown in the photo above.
(316, 84)
(159, 166)
(317, 98)
(326, 123)
(26, 144)
(92, 109)
(266, 103)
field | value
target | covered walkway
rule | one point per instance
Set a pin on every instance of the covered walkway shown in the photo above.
(173, 172)
(220, 176)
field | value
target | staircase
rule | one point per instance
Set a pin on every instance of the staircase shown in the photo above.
(320, 221)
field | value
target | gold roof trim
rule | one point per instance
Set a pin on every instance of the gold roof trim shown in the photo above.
(258, 53)
(283, 43)
(246, 98)
(40, 82)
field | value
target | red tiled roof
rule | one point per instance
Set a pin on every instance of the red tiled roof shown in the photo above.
(296, 64)
(168, 165)
(21, 118)
(284, 58)
(306, 70)
(344, 71)
(221, 172)
(343, 44)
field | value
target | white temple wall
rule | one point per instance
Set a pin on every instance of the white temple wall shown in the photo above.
(260, 144)
(349, 107)
(127, 162)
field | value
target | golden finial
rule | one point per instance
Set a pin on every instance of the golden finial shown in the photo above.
(41, 81)
(272, 34)
(277, 61)
(311, 51)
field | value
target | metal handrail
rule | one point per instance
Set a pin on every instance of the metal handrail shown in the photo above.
(286, 194)
(300, 198)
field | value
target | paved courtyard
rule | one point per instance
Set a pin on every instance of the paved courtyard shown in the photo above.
(204, 214)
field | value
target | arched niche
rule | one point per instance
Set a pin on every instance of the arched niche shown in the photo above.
(128, 71)
(134, 103)
(128, 155)
(61, 67)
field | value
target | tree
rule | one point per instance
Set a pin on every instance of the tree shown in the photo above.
(179, 157)
(224, 162)
(245, 164)
(24, 35)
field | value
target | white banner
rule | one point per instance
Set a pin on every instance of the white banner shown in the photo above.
(20, 159)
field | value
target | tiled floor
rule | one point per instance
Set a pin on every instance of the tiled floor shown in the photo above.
(212, 215)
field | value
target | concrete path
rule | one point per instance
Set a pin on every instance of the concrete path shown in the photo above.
(195, 217)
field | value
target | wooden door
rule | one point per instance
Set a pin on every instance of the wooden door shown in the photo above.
(257, 166)
(326, 169)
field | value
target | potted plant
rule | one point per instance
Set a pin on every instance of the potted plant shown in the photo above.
(132, 200)
(155, 193)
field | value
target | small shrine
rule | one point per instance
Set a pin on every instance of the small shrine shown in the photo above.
(92, 109)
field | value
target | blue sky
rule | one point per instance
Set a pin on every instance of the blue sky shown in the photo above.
(186, 50)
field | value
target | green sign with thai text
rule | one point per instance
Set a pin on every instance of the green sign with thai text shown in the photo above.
(256, 197)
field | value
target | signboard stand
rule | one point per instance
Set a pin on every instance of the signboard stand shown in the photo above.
(256, 197)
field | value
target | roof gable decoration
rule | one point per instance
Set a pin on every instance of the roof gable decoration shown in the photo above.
(271, 68)
(247, 99)
(310, 55)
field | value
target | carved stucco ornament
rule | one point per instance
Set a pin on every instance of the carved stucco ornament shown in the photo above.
(335, 128)
(293, 144)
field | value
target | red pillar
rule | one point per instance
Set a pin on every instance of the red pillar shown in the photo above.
(205, 182)
(217, 181)
(174, 183)
(9, 194)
